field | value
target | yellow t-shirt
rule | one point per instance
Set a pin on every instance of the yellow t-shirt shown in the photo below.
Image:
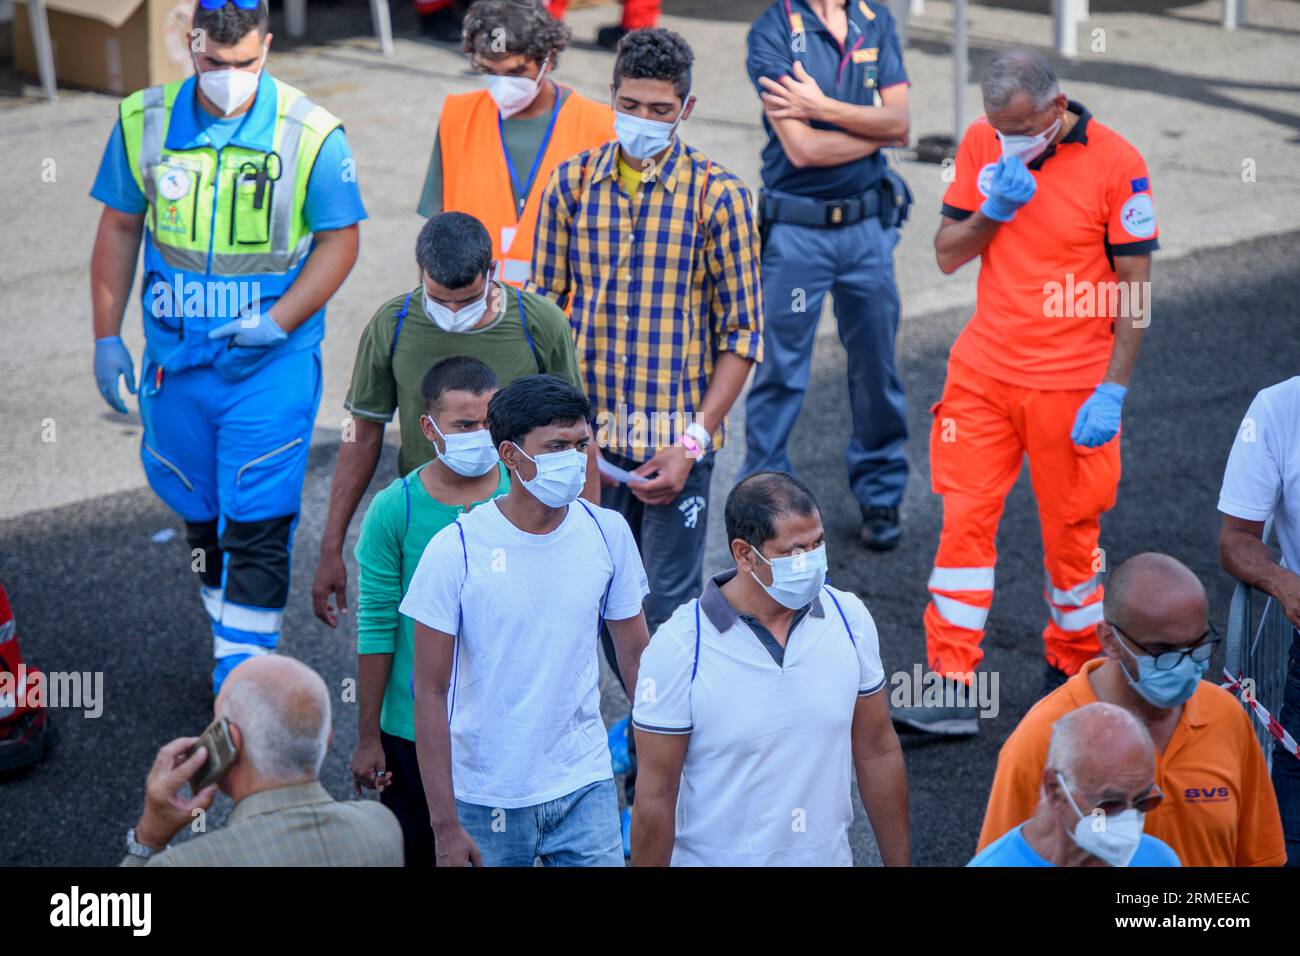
(630, 178)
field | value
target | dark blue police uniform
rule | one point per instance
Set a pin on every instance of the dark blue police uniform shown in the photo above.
(830, 229)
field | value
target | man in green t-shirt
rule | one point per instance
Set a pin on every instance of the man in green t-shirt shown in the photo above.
(456, 310)
(399, 523)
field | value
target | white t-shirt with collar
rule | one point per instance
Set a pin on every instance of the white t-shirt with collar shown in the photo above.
(1262, 477)
(524, 701)
(768, 771)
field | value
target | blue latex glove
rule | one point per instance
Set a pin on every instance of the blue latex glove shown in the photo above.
(253, 331)
(111, 360)
(1098, 418)
(1010, 187)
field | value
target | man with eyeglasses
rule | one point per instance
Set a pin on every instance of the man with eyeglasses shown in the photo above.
(1219, 809)
(497, 146)
(1093, 799)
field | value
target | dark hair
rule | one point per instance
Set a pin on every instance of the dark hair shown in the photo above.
(754, 505)
(534, 401)
(497, 28)
(655, 54)
(460, 373)
(453, 249)
(228, 24)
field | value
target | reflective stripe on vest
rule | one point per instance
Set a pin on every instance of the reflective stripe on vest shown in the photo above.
(281, 254)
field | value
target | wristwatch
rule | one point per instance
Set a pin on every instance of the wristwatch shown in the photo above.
(135, 848)
(696, 440)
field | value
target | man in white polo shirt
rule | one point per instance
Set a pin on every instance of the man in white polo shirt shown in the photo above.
(756, 702)
(508, 602)
(1262, 480)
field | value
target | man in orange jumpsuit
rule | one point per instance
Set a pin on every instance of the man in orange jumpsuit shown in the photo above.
(1058, 208)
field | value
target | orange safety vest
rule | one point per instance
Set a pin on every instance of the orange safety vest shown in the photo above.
(476, 180)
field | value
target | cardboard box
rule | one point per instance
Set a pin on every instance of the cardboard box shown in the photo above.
(115, 46)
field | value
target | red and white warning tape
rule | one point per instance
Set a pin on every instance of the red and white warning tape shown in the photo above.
(1234, 684)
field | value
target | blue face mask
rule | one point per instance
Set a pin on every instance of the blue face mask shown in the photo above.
(1166, 688)
(643, 138)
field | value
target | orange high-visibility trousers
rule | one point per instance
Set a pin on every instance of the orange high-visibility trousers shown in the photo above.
(636, 13)
(982, 430)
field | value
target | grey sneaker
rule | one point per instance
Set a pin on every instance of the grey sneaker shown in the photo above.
(939, 721)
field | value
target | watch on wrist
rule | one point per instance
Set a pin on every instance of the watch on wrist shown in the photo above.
(135, 848)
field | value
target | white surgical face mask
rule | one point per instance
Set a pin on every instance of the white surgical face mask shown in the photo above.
(560, 476)
(468, 454)
(513, 94)
(642, 138)
(1029, 148)
(230, 89)
(1112, 839)
(795, 579)
(464, 318)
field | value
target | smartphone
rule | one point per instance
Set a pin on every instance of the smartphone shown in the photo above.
(221, 754)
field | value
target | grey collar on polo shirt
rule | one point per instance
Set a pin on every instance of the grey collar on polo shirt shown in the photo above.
(723, 616)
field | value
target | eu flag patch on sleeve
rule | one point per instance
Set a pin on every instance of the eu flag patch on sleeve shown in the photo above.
(1141, 185)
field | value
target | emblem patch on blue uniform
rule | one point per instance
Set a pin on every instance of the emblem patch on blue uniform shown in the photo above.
(1141, 185)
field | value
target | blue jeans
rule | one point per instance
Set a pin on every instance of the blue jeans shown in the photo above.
(578, 829)
(855, 264)
(1286, 769)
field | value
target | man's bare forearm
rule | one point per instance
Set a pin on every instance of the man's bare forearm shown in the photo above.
(809, 147)
(875, 122)
(352, 474)
(1247, 558)
(959, 241)
(1134, 311)
(730, 372)
(882, 779)
(653, 829)
(630, 636)
(433, 753)
(112, 269)
(328, 265)
(372, 680)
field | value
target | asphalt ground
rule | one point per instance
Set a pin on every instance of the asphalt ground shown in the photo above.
(93, 591)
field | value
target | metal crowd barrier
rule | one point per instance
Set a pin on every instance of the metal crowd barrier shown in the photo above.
(1257, 647)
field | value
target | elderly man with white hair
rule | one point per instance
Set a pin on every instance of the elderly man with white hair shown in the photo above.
(1098, 785)
(279, 720)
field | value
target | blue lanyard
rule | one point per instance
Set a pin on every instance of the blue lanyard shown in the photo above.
(522, 191)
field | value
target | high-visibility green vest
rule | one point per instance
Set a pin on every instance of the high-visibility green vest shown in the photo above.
(206, 220)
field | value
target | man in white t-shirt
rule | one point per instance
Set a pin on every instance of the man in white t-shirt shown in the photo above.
(756, 703)
(508, 602)
(1262, 480)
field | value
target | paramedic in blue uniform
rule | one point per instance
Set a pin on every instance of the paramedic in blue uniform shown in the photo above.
(245, 194)
(830, 75)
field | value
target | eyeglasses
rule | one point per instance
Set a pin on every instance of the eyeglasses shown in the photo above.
(1143, 803)
(1200, 652)
(218, 4)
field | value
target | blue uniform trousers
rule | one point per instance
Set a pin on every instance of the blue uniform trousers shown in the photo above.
(230, 458)
(855, 264)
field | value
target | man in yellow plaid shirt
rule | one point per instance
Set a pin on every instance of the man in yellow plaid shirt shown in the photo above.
(653, 249)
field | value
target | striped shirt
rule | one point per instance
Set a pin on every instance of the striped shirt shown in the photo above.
(657, 288)
(297, 825)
